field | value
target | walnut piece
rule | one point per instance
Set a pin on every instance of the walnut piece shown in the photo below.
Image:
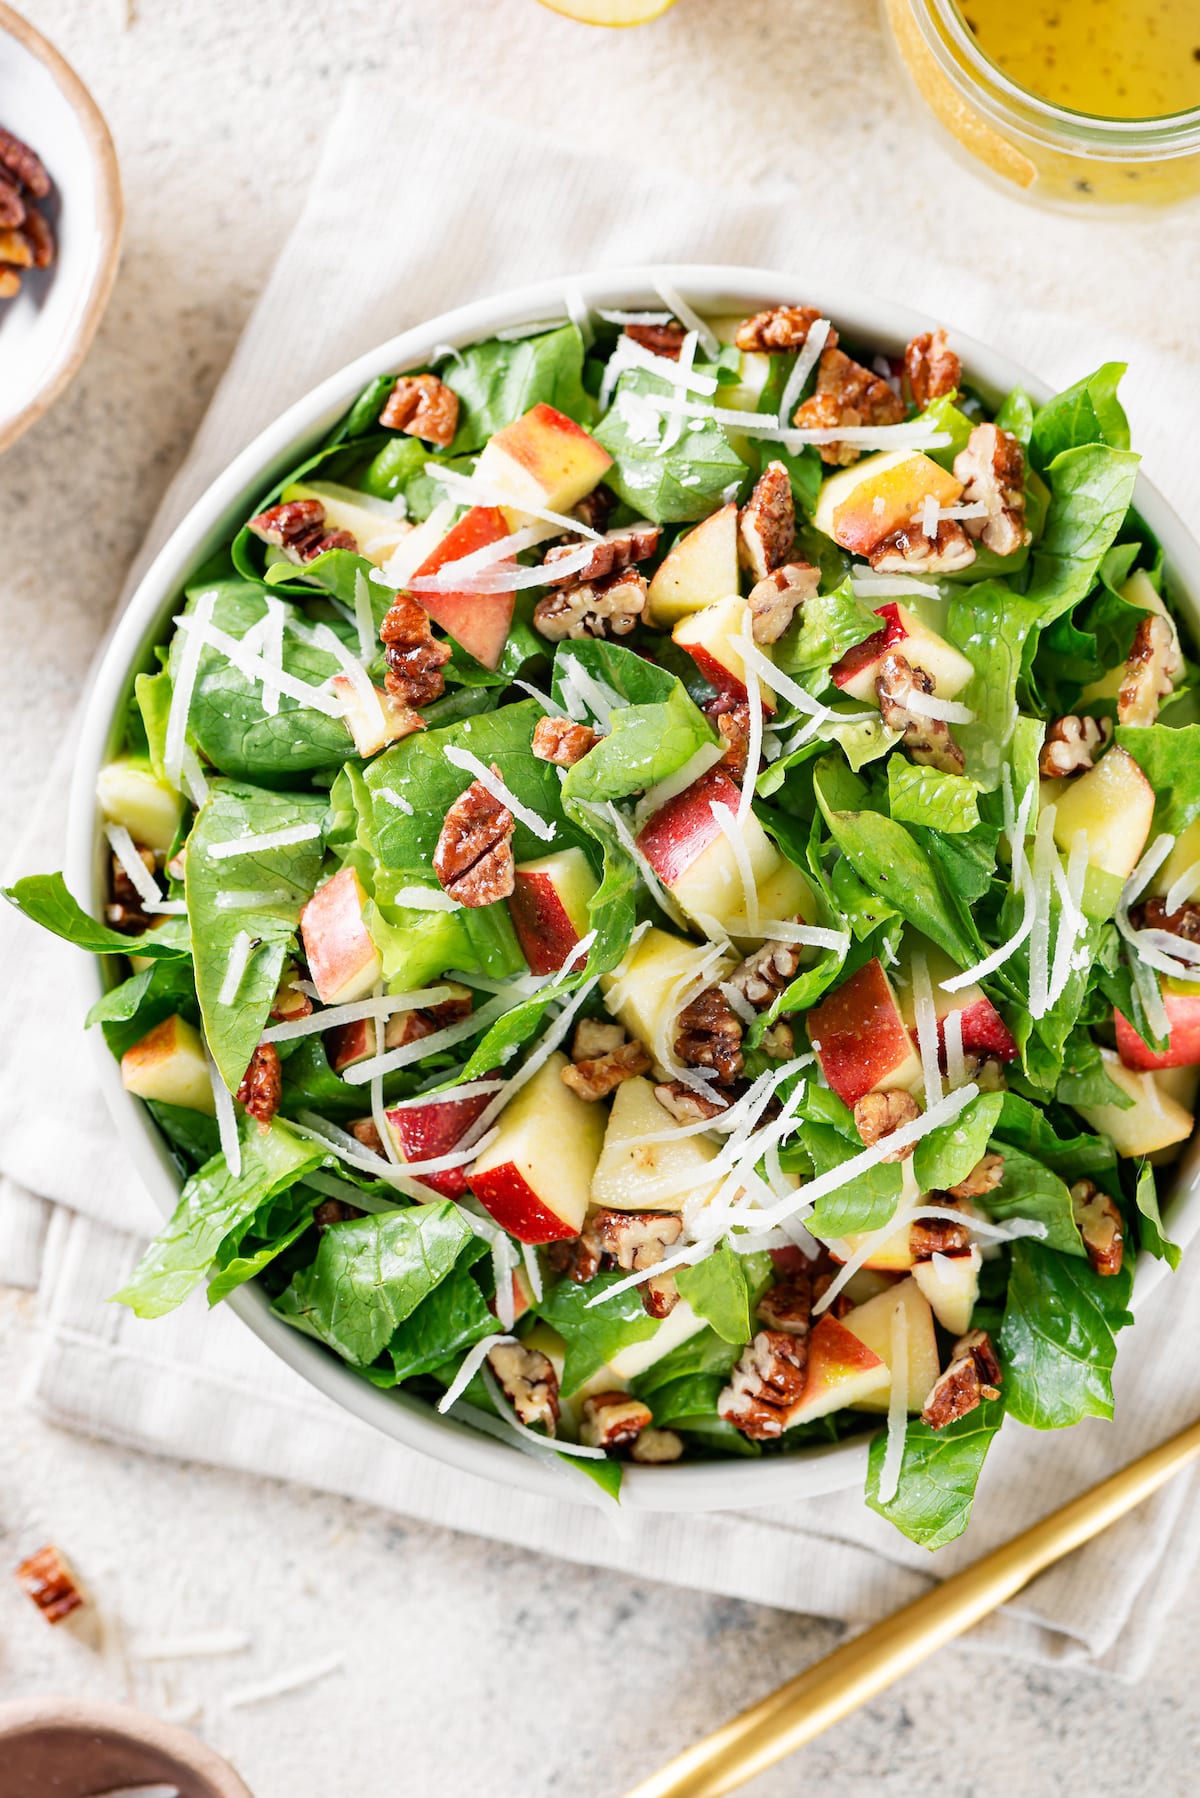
(1154, 662)
(779, 329)
(48, 1580)
(21, 161)
(992, 471)
(1072, 746)
(289, 1002)
(774, 599)
(654, 1448)
(297, 527)
(931, 368)
(767, 523)
(577, 1258)
(606, 608)
(766, 1383)
(972, 1375)
(984, 1177)
(1101, 1226)
(686, 1105)
(366, 1131)
(927, 740)
(529, 1383)
(787, 1305)
(708, 1034)
(422, 406)
(414, 657)
(847, 395)
(876, 1115)
(661, 340)
(911, 550)
(597, 1077)
(637, 1240)
(473, 859)
(766, 973)
(611, 1420)
(562, 741)
(262, 1084)
(615, 551)
(733, 728)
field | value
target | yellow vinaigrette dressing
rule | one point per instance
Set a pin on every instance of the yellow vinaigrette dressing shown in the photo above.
(1118, 59)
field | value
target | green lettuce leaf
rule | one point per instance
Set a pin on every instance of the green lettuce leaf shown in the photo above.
(1028, 1188)
(946, 1155)
(1057, 1341)
(681, 483)
(594, 1333)
(497, 383)
(1088, 412)
(938, 1475)
(45, 900)
(1169, 757)
(444, 1325)
(1154, 1238)
(926, 796)
(651, 737)
(724, 1289)
(824, 628)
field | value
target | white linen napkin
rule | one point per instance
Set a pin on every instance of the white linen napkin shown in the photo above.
(440, 216)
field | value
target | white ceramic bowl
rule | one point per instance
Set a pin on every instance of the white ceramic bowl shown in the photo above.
(714, 290)
(46, 331)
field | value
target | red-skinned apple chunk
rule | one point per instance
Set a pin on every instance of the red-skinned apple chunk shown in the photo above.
(342, 959)
(549, 907)
(479, 621)
(544, 459)
(923, 648)
(858, 507)
(701, 569)
(860, 1037)
(423, 1132)
(535, 1178)
(688, 850)
(1183, 1046)
(984, 1032)
(712, 638)
(169, 1064)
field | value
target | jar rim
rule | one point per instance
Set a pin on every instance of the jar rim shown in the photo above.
(951, 41)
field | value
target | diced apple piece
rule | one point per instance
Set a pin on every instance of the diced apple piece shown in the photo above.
(695, 860)
(893, 1255)
(711, 637)
(872, 1324)
(423, 1132)
(867, 1283)
(984, 1031)
(701, 569)
(347, 1043)
(169, 1065)
(1114, 803)
(1183, 1048)
(1154, 1121)
(951, 1284)
(858, 507)
(371, 522)
(784, 895)
(651, 979)
(860, 1038)
(842, 1370)
(1180, 1084)
(342, 960)
(130, 793)
(1183, 858)
(549, 907)
(374, 726)
(479, 621)
(544, 460)
(679, 1324)
(629, 1170)
(535, 1178)
(903, 632)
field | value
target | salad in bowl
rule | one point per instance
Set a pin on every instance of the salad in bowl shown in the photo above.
(654, 898)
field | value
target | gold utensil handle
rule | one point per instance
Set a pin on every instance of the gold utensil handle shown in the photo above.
(854, 1673)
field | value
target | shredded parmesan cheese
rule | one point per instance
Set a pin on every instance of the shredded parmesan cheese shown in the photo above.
(1181, 890)
(478, 1021)
(227, 1127)
(472, 1361)
(741, 855)
(897, 1414)
(364, 617)
(181, 693)
(242, 949)
(956, 1066)
(689, 318)
(806, 361)
(472, 491)
(927, 1029)
(289, 1681)
(928, 705)
(654, 798)
(419, 898)
(754, 740)
(397, 799)
(259, 843)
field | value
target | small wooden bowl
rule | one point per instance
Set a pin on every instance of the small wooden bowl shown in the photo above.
(45, 332)
(70, 1748)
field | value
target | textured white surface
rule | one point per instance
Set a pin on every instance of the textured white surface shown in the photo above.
(452, 1645)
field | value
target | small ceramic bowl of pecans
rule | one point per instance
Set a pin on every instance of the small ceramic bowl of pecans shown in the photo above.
(60, 223)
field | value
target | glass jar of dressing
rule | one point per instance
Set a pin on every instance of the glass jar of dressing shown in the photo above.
(1092, 104)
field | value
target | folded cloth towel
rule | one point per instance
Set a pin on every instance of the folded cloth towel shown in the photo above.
(440, 218)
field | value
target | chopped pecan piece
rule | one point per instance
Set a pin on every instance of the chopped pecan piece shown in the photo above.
(985, 1176)
(992, 471)
(616, 550)
(16, 249)
(876, 1115)
(686, 1105)
(595, 508)
(297, 527)
(607, 608)
(763, 975)
(21, 161)
(774, 599)
(767, 1381)
(593, 1038)
(123, 889)
(334, 1211)
(708, 1034)
(733, 728)
(787, 1305)
(779, 329)
(12, 206)
(1150, 671)
(562, 741)
(930, 1236)
(39, 237)
(578, 1258)
(262, 1084)
(660, 1295)
(612, 1420)
(366, 1131)
(602, 1074)
(847, 395)
(473, 859)
(1072, 746)
(636, 1240)
(972, 1375)
(1101, 1226)
(654, 1448)
(422, 406)
(661, 340)
(48, 1580)
(1153, 915)
(529, 1383)
(414, 657)
(411, 1026)
(931, 368)
(767, 523)
(911, 550)
(927, 740)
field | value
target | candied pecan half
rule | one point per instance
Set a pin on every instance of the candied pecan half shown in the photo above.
(334, 1211)
(654, 1448)
(10, 283)
(529, 1383)
(595, 508)
(297, 527)
(410, 1026)
(616, 550)
(911, 550)
(767, 523)
(927, 740)
(660, 1295)
(847, 395)
(1150, 671)
(414, 656)
(1101, 1226)
(985, 1176)
(1072, 746)
(600, 1075)
(764, 974)
(611, 1420)
(992, 471)
(473, 859)
(578, 1258)
(733, 728)
(661, 340)
(1153, 915)
(930, 1236)
(686, 1105)
(262, 1084)
(48, 1580)
(779, 329)
(708, 1034)
(972, 1375)
(774, 599)
(767, 1381)
(593, 1038)
(12, 206)
(562, 741)
(366, 1131)
(40, 237)
(787, 1305)
(607, 608)
(931, 368)
(422, 406)
(21, 161)
(876, 1115)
